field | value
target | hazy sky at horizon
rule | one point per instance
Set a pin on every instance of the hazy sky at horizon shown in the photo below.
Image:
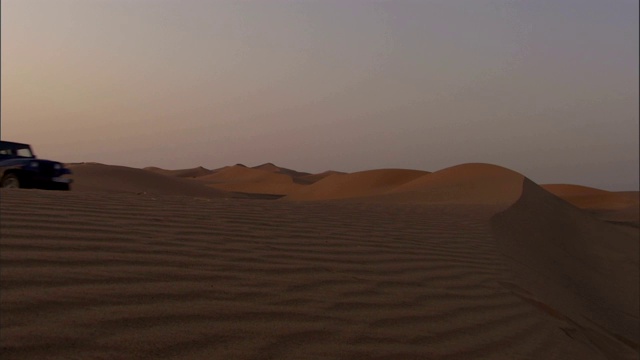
(548, 88)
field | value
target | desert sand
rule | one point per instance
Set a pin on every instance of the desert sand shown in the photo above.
(239, 178)
(470, 262)
(621, 206)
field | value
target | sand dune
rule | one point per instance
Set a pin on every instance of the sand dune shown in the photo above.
(473, 261)
(623, 207)
(358, 184)
(567, 190)
(468, 183)
(578, 267)
(310, 179)
(590, 198)
(472, 183)
(247, 180)
(295, 175)
(116, 179)
(179, 277)
(156, 170)
(186, 173)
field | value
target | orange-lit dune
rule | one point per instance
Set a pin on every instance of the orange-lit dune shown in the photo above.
(567, 190)
(467, 183)
(186, 173)
(154, 169)
(247, 180)
(472, 183)
(606, 205)
(270, 167)
(313, 178)
(359, 184)
(591, 198)
(119, 179)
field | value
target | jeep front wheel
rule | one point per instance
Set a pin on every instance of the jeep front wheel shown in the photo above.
(10, 181)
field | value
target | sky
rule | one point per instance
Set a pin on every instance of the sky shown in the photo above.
(548, 88)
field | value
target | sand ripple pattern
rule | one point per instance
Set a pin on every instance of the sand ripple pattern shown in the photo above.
(119, 276)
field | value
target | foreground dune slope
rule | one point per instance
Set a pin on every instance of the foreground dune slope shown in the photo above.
(353, 185)
(581, 268)
(115, 179)
(122, 276)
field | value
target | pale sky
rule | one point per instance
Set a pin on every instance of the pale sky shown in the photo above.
(548, 88)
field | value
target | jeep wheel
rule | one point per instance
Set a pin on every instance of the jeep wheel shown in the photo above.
(62, 187)
(10, 181)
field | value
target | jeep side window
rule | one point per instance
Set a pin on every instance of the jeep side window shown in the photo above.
(24, 153)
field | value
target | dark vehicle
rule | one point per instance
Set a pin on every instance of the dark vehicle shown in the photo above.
(19, 168)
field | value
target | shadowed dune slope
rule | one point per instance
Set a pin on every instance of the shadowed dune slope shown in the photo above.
(359, 184)
(111, 178)
(243, 179)
(580, 267)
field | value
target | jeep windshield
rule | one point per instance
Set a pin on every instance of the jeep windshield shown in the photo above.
(13, 150)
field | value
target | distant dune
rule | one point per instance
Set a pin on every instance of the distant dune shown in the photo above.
(472, 183)
(187, 173)
(295, 175)
(607, 205)
(310, 179)
(359, 184)
(567, 190)
(467, 183)
(247, 180)
(591, 198)
(118, 179)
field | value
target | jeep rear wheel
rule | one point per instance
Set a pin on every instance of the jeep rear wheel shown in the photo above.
(10, 181)
(61, 186)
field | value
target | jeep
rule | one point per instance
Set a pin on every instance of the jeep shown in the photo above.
(19, 168)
